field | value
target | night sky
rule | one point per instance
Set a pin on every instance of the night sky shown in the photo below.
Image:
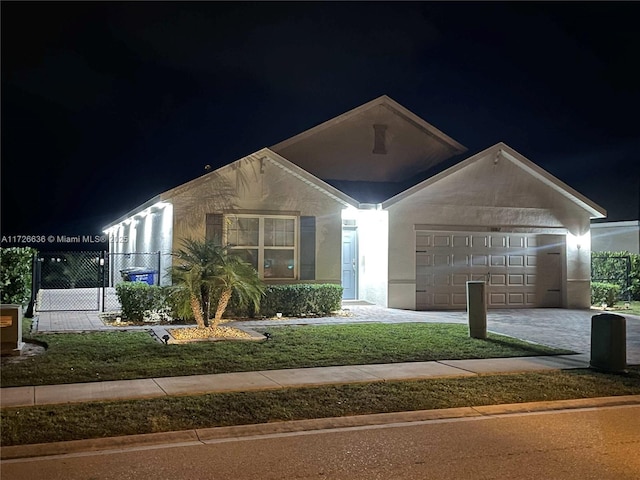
(105, 105)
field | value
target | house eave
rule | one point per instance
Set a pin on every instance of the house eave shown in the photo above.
(131, 213)
(595, 211)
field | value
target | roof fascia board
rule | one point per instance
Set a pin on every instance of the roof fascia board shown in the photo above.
(423, 126)
(149, 203)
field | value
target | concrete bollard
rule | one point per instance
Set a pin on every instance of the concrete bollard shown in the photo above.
(477, 309)
(608, 342)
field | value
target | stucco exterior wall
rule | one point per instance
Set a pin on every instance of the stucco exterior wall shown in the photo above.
(616, 237)
(488, 194)
(261, 186)
(143, 234)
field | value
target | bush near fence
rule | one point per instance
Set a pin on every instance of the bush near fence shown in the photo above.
(142, 302)
(606, 268)
(15, 274)
(607, 293)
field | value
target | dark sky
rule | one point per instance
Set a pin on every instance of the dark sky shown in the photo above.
(105, 105)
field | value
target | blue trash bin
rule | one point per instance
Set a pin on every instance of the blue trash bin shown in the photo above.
(139, 274)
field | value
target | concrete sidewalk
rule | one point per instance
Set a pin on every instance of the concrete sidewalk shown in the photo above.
(278, 379)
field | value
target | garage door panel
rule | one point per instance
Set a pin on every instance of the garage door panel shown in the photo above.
(459, 300)
(498, 298)
(498, 260)
(514, 241)
(441, 280)
(440, 260)
(479, 260)
(515, 280)
(460, 279)
(460, 260)
(516, 260)
(423, 259)
(460, 241)
(497, 241)
(441, 300)
(516, 299)
(441, 241)
(479, 241)
(510, 263)
(423, 241)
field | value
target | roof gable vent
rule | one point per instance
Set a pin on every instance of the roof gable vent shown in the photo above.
(380, 139)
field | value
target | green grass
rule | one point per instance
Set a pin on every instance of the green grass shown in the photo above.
(27, 425)
(72, 358)
(619, 308)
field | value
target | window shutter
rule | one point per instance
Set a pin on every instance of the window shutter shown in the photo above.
(213, 232)
(307, 248)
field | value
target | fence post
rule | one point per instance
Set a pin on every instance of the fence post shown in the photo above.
(159, 266)
(34, 285)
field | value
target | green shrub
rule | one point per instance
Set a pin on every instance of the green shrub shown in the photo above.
(15, 274)
(301, 299)
(611, 267)
(143, 302)
(608, 293)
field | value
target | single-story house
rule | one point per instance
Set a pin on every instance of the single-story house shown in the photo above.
(387, 205)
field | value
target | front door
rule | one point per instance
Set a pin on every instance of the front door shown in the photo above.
(349, 264)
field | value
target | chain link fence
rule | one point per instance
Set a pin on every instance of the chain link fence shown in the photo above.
(86, 280)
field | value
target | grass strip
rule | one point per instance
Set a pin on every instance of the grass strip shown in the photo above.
(86, 357)
(27, 425)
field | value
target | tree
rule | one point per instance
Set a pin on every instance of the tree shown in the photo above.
(207, 273)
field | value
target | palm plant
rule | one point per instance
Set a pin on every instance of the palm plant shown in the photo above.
(208, 273)
(235, 275)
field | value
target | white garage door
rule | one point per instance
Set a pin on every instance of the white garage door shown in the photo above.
(521, 270)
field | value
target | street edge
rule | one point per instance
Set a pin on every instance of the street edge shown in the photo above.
(216, 434)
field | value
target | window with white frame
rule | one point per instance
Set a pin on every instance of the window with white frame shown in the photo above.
(268, 242)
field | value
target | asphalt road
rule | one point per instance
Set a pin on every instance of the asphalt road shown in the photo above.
(596, 443)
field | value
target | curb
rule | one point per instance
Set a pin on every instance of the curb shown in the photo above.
(231, 433)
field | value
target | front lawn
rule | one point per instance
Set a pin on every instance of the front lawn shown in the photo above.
(620, 308)
(72, 358)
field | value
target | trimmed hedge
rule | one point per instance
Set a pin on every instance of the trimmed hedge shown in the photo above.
(607, 293)
(299, 300)
(143, 302)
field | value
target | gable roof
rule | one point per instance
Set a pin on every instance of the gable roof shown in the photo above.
(264, 154)
(502, 150)
(378, 141)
